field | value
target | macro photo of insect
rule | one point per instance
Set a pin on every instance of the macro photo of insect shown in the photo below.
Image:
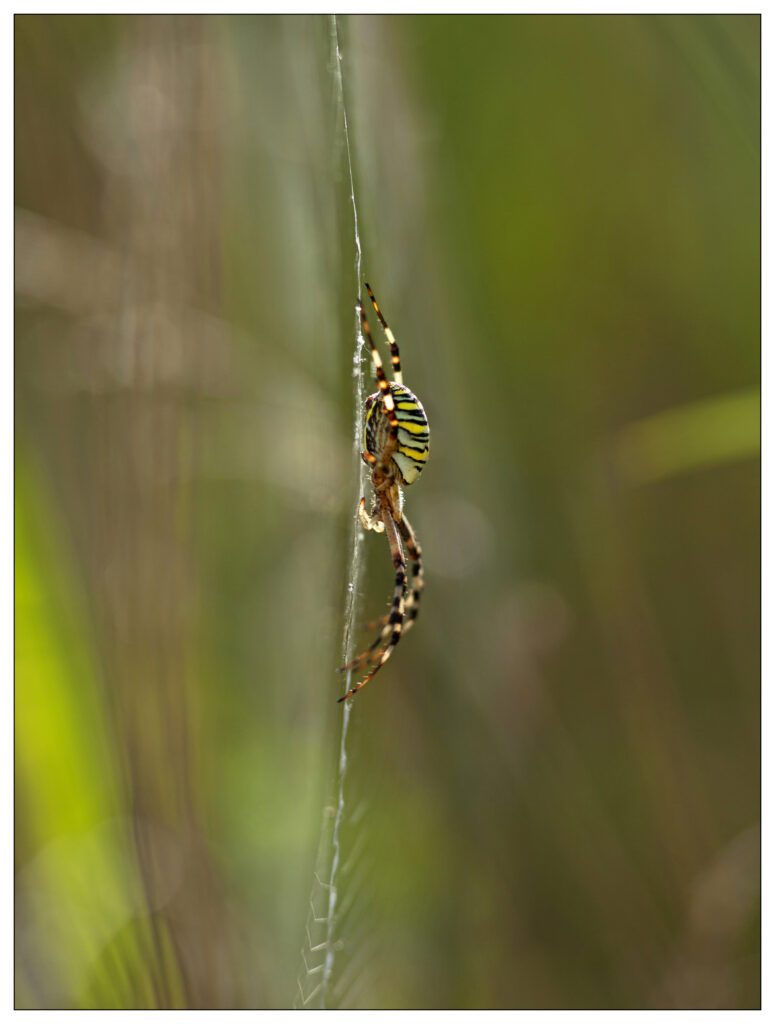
(386, 511)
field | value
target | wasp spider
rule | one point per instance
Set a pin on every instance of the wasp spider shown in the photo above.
(396, 437)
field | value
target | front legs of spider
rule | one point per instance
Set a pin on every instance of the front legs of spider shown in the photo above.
(396, 441)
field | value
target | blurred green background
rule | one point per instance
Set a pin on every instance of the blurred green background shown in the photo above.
(553, 789)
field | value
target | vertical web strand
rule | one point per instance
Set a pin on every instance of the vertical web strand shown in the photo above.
(329, 888)
(355, 545)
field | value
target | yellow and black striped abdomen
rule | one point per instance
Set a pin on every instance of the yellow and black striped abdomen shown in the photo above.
(413, 432)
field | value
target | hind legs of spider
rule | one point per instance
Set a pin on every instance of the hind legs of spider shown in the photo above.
(366, 679)
(380, 650)
(411, 609)
(411, 604)
(371, 651)
(418, 576)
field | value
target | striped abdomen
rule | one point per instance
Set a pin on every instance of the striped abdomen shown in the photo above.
(413, 432)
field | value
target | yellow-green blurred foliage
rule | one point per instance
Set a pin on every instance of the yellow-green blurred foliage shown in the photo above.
(553, 792)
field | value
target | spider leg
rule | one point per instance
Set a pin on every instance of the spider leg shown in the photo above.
(418, 576)
(383, 384)
(391, 631)
(368, 655)
(371, 522)
(395, 358)
(412, 604)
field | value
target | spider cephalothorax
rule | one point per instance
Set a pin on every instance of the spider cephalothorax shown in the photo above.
(396, 438)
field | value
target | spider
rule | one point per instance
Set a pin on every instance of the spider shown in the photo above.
(396, 436)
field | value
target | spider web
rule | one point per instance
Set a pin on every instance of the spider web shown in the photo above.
(325, 911)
